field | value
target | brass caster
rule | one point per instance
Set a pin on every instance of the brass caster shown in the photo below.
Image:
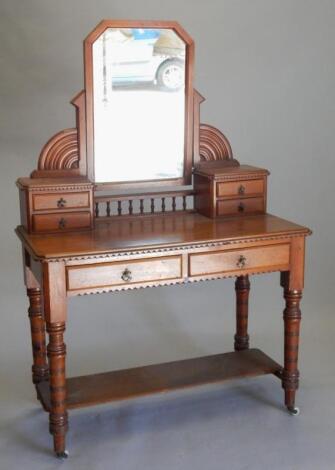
(293, 410)
(62, 455)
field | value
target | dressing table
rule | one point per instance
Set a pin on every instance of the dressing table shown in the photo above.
(141, 194)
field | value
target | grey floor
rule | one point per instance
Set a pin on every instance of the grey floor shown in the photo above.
(237, 425)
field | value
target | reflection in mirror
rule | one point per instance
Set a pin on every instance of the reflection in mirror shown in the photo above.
(139, 105)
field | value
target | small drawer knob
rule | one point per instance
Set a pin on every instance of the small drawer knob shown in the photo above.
(241, 189)
(62, 223)
(241, 207)
(241, 262)
(126, 276)
(61, 202)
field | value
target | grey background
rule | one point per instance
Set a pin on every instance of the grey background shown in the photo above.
(267, 70)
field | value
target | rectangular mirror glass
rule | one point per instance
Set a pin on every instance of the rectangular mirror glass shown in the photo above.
(138, 105)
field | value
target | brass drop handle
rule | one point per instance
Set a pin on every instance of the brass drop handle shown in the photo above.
(126, 275)
(61, 202)
(241, 262)
(241, 189)
(62, 223)
(241, 207)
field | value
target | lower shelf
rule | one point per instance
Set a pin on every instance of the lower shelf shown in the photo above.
(139, 381)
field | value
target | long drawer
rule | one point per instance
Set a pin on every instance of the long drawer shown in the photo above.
(250, 205)
(61, 221)
(265, 258)
(124, 272)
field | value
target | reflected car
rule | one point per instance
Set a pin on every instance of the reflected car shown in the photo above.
(150, 58)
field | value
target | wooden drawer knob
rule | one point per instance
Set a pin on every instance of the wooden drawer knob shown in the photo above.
(61, 202)
(241, 262)
(241, 207)
(126, 275)
(62, 223)
(241, 189)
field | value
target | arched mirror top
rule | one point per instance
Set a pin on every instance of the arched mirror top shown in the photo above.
(139, 104)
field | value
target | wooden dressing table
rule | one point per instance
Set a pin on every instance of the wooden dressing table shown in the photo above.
(77, 242)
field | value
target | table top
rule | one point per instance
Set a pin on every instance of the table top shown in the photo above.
(156, 232)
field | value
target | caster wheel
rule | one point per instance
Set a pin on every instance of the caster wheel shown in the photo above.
(294, 411)
(62, 455)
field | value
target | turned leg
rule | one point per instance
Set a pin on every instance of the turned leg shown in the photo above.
(290, 376)
(40, 369)
(242, 288)
(58, 422)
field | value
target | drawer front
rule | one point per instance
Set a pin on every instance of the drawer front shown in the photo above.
(61, 221)
(240, 188)
(263, 258)
(124, 273)
(61, 201)
(240, 206)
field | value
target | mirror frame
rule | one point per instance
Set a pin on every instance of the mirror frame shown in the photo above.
(186, 179)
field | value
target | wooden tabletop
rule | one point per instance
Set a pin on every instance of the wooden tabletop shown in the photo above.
(159, 231)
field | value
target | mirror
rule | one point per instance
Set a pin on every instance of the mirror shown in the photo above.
(140, 105)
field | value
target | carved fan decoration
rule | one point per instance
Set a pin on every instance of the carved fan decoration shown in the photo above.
(61, 152)
(213, 144)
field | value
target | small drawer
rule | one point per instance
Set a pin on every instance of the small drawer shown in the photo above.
(61, 221)
(124, 273)
(63, 201)
(240, 206)
(265, 258)
(240, 188)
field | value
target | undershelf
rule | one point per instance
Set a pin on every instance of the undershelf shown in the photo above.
(139, 381)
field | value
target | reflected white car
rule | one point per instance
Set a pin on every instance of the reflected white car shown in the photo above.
(142, 65)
